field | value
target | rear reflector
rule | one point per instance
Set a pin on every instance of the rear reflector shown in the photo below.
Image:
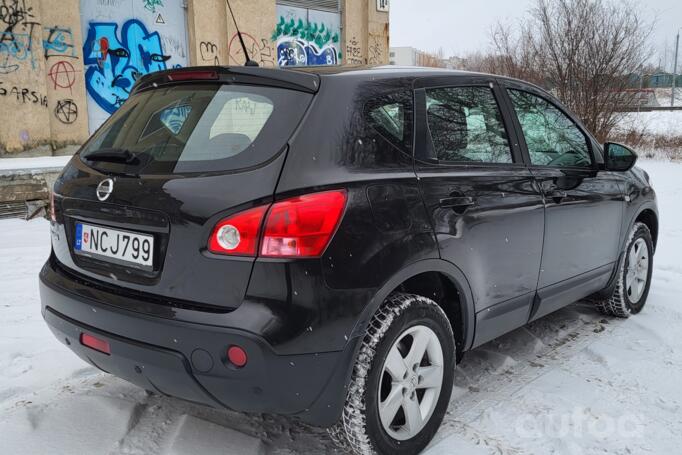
(304, 225)
(95, 343)
(238, 234)
(192, 75)
(237, 356)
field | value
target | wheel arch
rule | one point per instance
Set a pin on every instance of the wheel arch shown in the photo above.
(443, 268)
(452, 293)
(646, 213)
(649, 217)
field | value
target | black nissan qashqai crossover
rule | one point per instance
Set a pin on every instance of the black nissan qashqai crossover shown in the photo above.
(327, 244)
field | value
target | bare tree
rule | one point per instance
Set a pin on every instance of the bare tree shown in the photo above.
(584, 51)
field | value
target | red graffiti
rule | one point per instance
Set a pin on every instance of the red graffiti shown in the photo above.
(260, 52)
(63, 75)
(103, 50)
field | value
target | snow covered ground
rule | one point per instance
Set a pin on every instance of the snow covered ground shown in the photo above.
(33, 164)
(663, 123)
(572, 383)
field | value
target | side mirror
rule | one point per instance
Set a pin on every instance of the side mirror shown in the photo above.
(619, 158)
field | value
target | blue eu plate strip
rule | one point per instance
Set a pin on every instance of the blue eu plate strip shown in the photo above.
(79, 235)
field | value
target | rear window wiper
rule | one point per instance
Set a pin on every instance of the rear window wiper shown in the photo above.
(113, 156)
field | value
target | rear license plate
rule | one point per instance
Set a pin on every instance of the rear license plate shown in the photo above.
(120, 247)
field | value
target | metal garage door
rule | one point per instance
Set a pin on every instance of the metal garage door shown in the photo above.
(308, 32)
(123, 40)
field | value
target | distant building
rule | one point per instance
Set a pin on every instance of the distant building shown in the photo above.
(410, 56)
(663, 80)
(455, 63)
(402, 56)
(655, 80)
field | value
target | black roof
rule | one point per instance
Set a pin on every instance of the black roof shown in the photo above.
(305, 78)
(385, 71)
(392, 72)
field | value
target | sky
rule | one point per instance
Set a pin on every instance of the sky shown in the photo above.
(460, 27)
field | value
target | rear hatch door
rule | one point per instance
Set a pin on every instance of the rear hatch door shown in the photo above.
(154, 180)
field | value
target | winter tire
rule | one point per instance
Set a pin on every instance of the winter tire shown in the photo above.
(402, 379)
(634, 275)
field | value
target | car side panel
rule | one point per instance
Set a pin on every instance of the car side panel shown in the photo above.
(584, 210)
(583, 225)
(498, 242)
(383, 231)
(314, 304)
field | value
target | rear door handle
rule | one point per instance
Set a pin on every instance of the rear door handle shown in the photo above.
(458, 203)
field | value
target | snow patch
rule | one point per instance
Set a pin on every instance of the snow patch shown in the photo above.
(29, 164)
(664, 123)
(567, 383)
(72, 425)
(193, 435)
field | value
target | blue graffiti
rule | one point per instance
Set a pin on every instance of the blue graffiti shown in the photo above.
(113, 64)
(296, 52)
(58, 42)
(14, 49)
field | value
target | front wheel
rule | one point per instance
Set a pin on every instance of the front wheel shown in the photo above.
(402, 379)
(634, 275)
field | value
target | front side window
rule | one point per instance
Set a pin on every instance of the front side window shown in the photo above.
(553, 139)
(466, 125)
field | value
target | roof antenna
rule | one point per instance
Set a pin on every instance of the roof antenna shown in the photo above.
(248, 62)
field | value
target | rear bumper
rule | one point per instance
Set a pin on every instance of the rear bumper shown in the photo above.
(188, 360)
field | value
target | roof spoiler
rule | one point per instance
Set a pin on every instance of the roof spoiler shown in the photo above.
(293, 80)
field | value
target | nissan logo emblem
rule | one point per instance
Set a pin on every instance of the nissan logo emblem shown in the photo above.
(104, 189)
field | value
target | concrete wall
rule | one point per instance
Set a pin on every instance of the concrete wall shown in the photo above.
(65, 85)
(207, 25)
(256, 20)
(42, 94)
(43, 104)
(377, 35)
(354, 31)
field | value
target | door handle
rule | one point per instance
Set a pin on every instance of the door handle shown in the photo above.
(558, 196)
(457, 203)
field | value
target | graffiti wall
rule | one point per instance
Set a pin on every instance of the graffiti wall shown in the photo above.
(123, 41)
(306, 37)
(41, 83)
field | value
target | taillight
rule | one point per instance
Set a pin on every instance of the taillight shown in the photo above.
(302, 226)
(238, 235)
(296, 227)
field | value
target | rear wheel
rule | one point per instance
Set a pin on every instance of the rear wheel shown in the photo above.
(634, 276)
(402, 379)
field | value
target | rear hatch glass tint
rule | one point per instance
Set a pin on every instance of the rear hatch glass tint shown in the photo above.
(192, 128)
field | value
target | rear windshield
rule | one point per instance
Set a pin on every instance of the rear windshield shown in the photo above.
(196, 128)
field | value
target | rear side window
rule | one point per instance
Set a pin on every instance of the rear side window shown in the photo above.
(198, 128)
(391, 116)
(553, 139)
(466, 125)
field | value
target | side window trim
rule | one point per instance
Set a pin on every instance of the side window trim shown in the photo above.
(509, 118)
(423, 138)
(506, 87)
